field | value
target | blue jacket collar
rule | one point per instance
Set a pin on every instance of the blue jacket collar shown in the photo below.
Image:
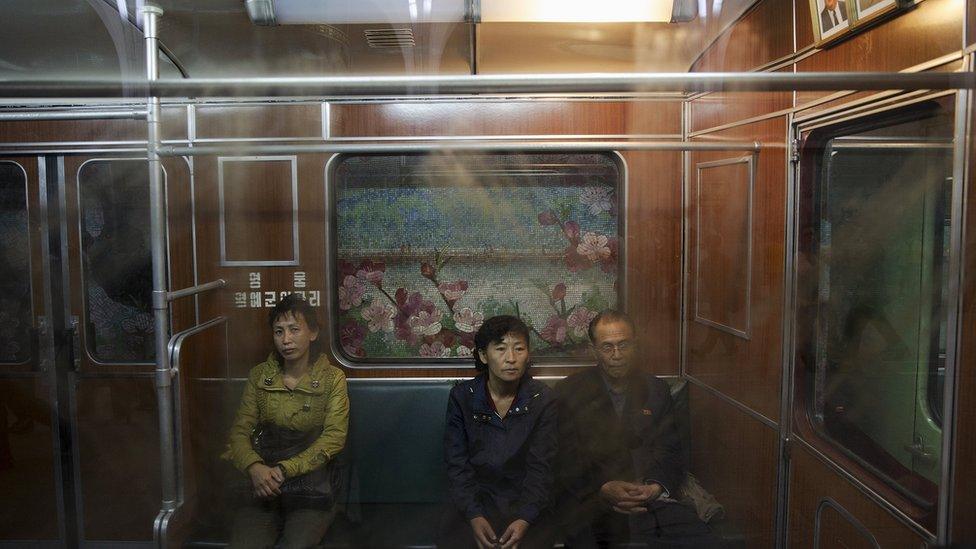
(525, 394)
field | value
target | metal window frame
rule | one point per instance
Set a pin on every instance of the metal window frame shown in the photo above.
(293, 164)
(803, 126)
(83, 313)
(750, 162)
(334, 349)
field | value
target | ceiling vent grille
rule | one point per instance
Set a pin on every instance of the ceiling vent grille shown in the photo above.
(389, 38)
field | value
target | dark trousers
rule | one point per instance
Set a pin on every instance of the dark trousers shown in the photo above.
(455, 531)
(266, 524)
(664, 525)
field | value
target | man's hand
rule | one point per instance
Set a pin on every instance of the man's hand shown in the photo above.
(484, 536)
(514, 534)
(650, 492)
(626, 497)
(266, 480)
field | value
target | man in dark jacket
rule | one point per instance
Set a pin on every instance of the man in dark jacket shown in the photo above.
(620, 465)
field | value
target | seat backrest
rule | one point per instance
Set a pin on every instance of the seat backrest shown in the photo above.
(396, 437)
(396, 440)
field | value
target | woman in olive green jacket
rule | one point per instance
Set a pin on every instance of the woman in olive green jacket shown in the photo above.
(298, 390)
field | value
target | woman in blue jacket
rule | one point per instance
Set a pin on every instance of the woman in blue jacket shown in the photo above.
(499, 446)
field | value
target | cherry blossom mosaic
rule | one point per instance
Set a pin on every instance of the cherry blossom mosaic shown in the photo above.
(428, 252)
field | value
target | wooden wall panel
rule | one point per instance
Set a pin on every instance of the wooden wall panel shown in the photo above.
(721, 200)
(649, 117)
(748, 370)
(734, 457)
(654, 255)
(717, 109)
(28, 507)
(250, 335)
(804, 25)
(810, 482)
(118, 446)
(213, 404)
(894, 45)
(56, 131)
(763, 35)
(838, 100)
(259, 208)
(277, 120)
(506, 118)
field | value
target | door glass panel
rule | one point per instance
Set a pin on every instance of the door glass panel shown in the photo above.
(880, 253)
(15, 295)
(116, 262)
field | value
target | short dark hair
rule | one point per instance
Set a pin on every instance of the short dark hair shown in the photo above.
(494, 330)
(296, 305)
(609, 315)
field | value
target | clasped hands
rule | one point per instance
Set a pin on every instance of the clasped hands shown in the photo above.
(629, 498)
(266, 480)
(485, 536)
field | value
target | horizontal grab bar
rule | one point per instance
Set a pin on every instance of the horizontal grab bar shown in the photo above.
(468, 146)
(71, 115)
(198, 289)
(342, 86)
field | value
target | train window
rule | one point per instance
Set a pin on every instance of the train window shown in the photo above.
(427, 247)
(15, 298)
(113, 204)
(875, 241)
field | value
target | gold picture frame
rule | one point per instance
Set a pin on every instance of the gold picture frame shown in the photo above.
(866, 10)
(832, 19)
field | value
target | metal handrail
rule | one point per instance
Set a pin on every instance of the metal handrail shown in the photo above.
(173, 492)
(198, 289)
(341, 86)
(73, 115)
(175, 345)
(474, 145)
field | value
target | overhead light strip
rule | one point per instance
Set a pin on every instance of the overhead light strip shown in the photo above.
(337, 12)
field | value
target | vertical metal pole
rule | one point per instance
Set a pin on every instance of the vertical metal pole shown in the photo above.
(157, 228)
(789, 331)
(685, 197)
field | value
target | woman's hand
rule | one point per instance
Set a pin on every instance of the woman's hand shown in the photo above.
(484, 536)
(266, 480)
(514, 534)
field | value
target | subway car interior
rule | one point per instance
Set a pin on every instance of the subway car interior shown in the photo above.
(772, 196)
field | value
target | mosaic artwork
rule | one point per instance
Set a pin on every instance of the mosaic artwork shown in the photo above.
(427, 252)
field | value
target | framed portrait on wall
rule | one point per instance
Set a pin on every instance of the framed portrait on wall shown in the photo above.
(833, 18)
(869, 9)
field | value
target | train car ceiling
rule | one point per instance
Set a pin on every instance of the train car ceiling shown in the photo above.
(101, 38)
